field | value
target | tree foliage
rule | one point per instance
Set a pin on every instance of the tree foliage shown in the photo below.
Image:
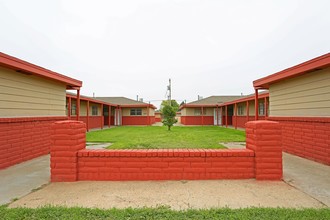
(174, 104)
(169, 114)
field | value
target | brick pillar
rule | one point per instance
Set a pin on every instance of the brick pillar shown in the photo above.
(264, 138)
(68, 137)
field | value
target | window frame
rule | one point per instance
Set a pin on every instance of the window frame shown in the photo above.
(95, 110)
(240, 110)
(73, 109)
(261, 108)
(135, 112)
(198, 112)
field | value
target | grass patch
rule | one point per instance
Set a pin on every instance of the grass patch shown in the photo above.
(163, 213)
(155, 137)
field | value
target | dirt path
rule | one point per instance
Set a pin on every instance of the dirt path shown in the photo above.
(176, 194)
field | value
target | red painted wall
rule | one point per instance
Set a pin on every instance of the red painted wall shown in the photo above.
(197, 120)
(71, 162)
(241, 120)
(93, 122)
(229, 120)
(138, 120)
(22, 139)
(306, 137)
(158, 120)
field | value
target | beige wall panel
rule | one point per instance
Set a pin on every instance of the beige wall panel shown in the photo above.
(293, 113)
(184, 112)
(8, 90)
(144, 112)
(151, 112)
(30, 113)
(208, 111)
(306, 95)
(190, 111)
(83, 108)
(125, 111)
(251, 108)
(27, 95)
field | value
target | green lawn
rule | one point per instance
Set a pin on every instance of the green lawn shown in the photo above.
(155, 137)
(163, 213)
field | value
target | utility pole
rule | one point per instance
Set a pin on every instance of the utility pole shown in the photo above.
(169, 94)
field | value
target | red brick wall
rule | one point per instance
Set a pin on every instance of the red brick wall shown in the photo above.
(71, 162)
(138, 120)
(165, 164)
(22, 139)
(306, 137)
(197, 120)
(264, 138)
(68, 137)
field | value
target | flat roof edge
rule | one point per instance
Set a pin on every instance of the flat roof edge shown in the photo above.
(310, 65)
(21, 65)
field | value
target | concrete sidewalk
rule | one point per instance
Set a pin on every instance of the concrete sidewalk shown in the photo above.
(178, 195)
(19, 180)
(308, 176)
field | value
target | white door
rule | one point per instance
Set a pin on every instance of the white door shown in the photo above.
(117, 117)
(217, 117)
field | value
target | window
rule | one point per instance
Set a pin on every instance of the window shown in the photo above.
(95, 110)
(240, 110)
(198, 111)
(261, 109)
(136, 111)
(73, 109)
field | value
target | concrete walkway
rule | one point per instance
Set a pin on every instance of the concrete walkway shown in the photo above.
(19, 180)
(308, 176)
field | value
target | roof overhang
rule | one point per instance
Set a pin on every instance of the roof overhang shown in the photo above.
(85, 98)
(315, 64)
(27, 68)
(249, 98)
(138, 106)
(199, 105)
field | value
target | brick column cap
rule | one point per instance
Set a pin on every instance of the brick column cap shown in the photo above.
(260, 123)
(69, 122)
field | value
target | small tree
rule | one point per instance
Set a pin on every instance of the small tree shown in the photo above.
(174, 104)
(169, 114)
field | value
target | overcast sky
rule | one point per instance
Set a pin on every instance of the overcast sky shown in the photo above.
(129, 48)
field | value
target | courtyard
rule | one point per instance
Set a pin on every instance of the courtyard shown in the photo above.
(157, 137)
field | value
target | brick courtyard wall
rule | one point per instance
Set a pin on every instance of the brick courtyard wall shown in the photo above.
(166, 164)
(70, 161)
(23, 139)
(68, 137)
(264, 138)
(307, 137)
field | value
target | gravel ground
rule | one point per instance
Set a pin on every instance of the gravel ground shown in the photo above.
(176, 194)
